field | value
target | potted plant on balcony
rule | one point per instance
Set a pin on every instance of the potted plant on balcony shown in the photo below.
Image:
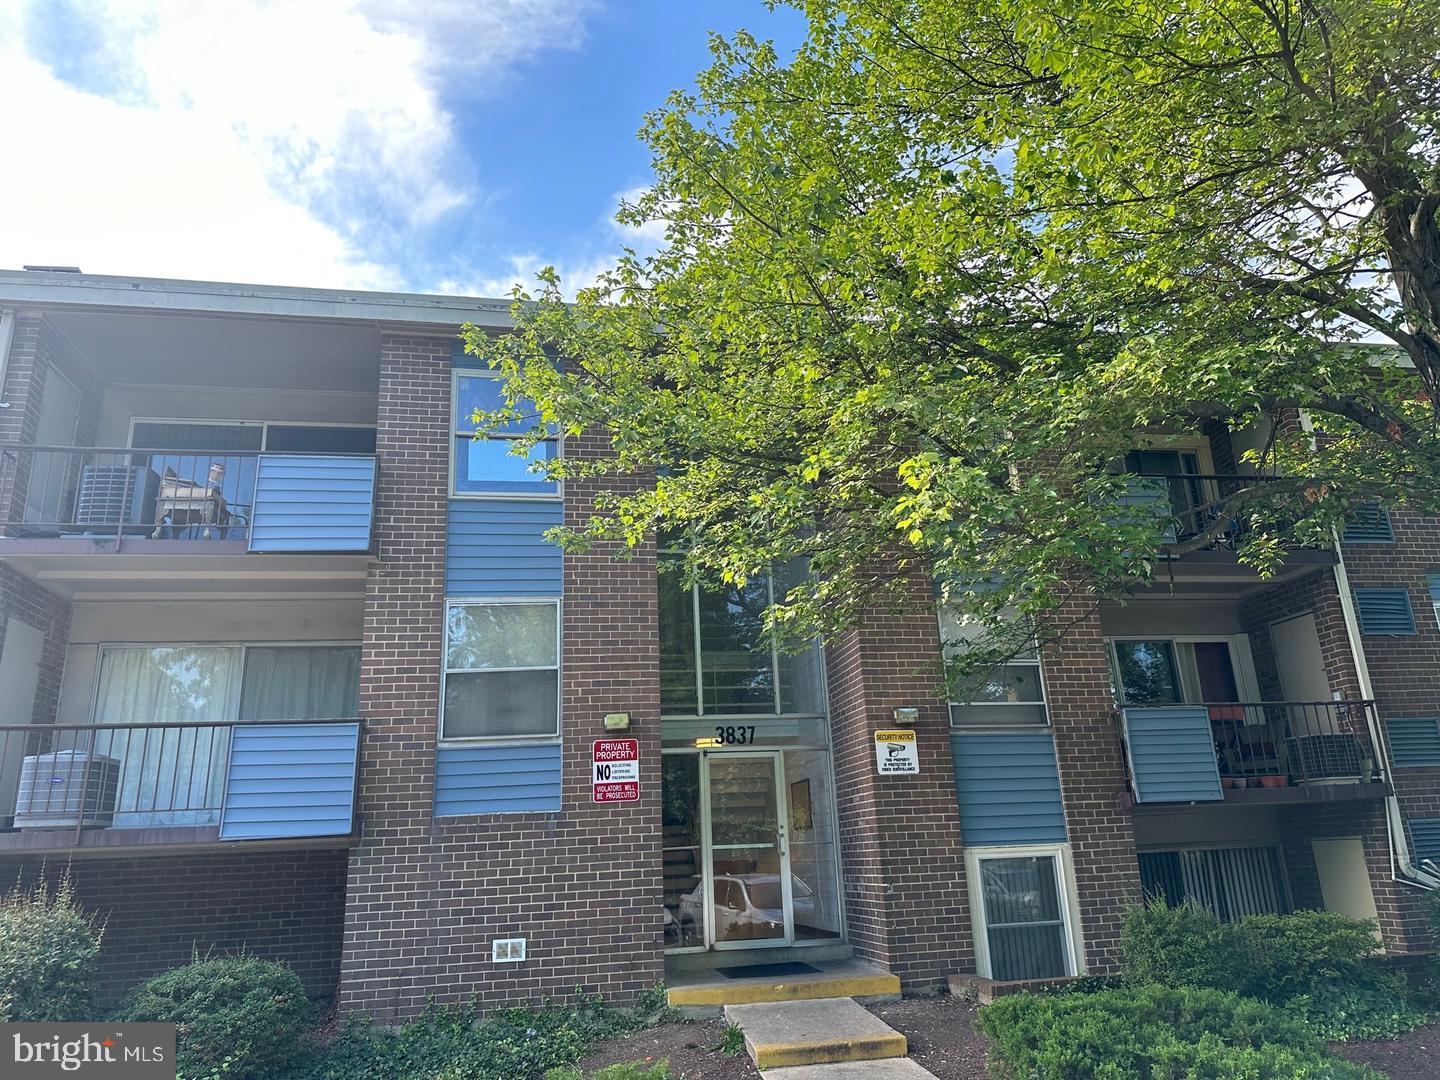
(1270, 780)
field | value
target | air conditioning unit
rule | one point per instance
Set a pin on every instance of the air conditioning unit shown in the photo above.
(67, 789)
(111, 495)
(1325, 759)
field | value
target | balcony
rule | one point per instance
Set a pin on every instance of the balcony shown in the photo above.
(65, 512)
(1260, 752)
(99, 787)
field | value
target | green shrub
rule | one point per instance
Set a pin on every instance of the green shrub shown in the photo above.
(1270, 957)
(1304, 952)
(237, 1016)
(1183, 945)
(49, 949)
(1155, 1033)
(1343, 1011)
(451, 1044)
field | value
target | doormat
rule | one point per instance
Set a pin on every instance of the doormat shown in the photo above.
(766, 971)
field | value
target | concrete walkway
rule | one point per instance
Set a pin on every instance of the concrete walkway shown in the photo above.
(887, 1069)
(825, 1039)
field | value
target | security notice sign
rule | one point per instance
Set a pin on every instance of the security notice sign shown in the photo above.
(896, 752)
(617, 770)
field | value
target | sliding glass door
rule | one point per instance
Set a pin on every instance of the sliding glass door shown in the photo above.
(171, 707)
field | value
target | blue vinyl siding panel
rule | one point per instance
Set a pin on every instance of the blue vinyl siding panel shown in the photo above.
(497, 779)
(1368, 524)
(308, 503)
(1385, 612)
(497, 547)
(1414, 740)
(1172, 754)
(290, 780)
(1424, 838)
(1008, 788)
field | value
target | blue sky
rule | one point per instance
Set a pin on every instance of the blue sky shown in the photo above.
(450, 145)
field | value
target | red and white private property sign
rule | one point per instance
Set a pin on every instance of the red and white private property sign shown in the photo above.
(617, 770)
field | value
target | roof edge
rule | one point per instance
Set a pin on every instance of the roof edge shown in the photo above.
(177, 294)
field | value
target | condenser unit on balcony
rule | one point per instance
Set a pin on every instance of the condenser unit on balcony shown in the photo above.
(109, 496)
(1332, 758)
(67, 789)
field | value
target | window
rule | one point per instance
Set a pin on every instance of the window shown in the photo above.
(1230, 882)
(1007, 694)
(502, 670)
(716, 661)
(1433, 581)
(485, 465)
(1024, 929)
(1166, 671)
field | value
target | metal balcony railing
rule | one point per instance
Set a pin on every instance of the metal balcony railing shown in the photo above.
(52, 491)
(1193, 503)
(1184, 753)
(274, 502)
(68, 778)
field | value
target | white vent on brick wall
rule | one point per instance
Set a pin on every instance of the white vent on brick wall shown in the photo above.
(507, 950)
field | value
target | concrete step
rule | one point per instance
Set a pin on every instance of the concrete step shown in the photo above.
(786, 1033)
(694, 963)
(833, 979)
(884, 1069)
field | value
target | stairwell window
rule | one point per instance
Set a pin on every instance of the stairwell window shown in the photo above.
(502, 669)
(715, 659)
(1011, 694)
(485, 466)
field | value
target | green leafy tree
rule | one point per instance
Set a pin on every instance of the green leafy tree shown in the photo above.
(925, 282)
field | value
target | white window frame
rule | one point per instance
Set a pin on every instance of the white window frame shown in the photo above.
(456, 374)
(263, 425)
(1064, 882)
(557, 667)
(1198, 445)
(1044, 702)
(1242, 662)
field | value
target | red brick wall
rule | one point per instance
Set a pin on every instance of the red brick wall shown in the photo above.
(903, 866)
(1090, 754)
(1402, 923)
(48, 612)
(1315, 593)
(161, 910)
(1405, 671)
(35, 351)
(1401, 918)
(427, 896)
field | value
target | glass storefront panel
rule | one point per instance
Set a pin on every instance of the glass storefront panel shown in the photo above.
(682, 854)
(814, 859)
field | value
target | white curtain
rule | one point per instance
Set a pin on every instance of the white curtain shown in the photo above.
(171, 775)
(293, 683)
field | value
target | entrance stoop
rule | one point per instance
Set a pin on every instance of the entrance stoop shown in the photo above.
(785, 1033)
(846, 978)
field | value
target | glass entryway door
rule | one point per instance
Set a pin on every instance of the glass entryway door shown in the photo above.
(749, 885)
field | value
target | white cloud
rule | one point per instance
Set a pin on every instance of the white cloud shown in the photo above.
(295, 142)
(645, 237)
(576, 271)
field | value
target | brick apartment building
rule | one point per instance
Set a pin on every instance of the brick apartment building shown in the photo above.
(286, 663)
